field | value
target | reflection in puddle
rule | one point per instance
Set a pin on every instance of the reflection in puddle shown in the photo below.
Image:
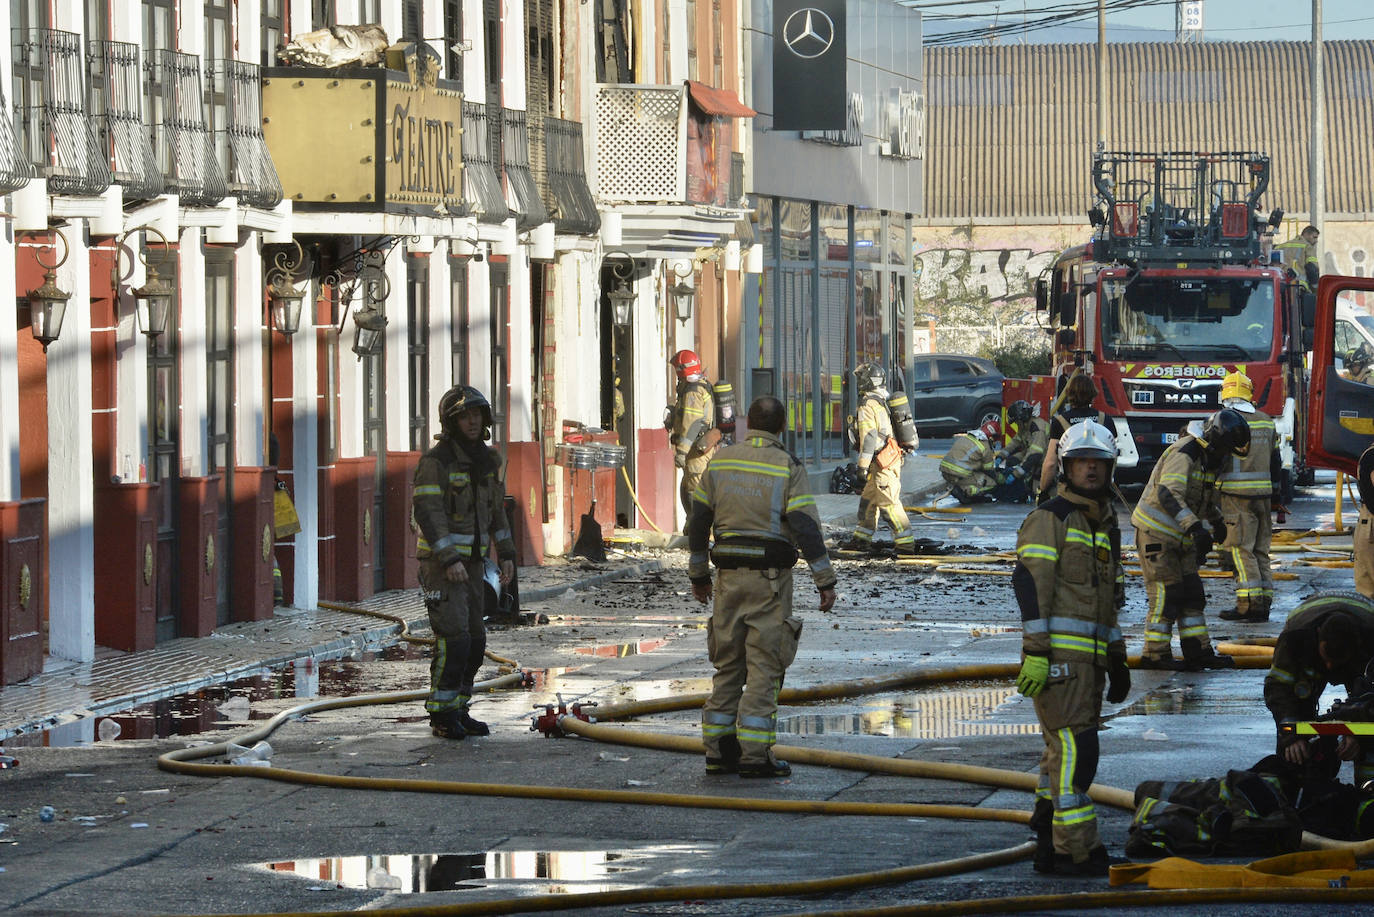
(571, 870)
(613, 650)
(1187, 699)
(940, 714)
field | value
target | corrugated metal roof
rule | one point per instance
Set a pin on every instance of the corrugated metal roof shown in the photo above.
(1011, 128)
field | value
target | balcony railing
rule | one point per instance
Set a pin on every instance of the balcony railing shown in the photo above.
(481, 181)
(574, 207)
(56, 135)
(185, 150)
(251, 175)
(117, 106)
(15, 169)
(529, 206)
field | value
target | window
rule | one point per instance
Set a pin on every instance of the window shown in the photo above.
(953, 369)
(217, 49)
(614, 59)
(458, 304)
(453, 36)
(411, 28)
(920, 371)
(97, 20)
(219, 355)
(273, 25)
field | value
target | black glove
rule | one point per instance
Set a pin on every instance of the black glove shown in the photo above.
(1202, 541)
(861, 475)
(1119, 680)
(1218, 532)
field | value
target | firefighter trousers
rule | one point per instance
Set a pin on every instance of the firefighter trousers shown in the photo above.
(460, 637)
(1068, 709)
(1364, 552)
(1249, 530)
(973, 487)
(692, 470)
(1173, 593)
(751, 638)
(883, 494)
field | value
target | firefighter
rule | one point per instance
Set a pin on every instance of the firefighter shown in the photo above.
(1300, 255)
(460, 513)
(1079, 394)
(1069, 585)
(691, 424)
(1357, 365)
(879, 465)
(754, 499)
(1173, 541)
(968, 466)
(1023, 456)
(1248, 486)
(1364, 528)
(1328, 639)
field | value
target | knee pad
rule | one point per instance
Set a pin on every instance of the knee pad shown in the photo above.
(1085, 769)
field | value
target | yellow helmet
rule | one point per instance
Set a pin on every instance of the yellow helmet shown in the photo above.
(1236, 385)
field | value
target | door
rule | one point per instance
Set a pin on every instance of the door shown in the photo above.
(219, 382)
(374, 429)
(1341, 424)
(164, 459)
(499, 391)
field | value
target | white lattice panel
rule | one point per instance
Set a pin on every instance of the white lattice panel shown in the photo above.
(640, 139)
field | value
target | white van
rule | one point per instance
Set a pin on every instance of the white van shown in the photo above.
(1354, 326)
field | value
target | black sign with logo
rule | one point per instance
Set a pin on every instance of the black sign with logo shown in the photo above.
(809, 65)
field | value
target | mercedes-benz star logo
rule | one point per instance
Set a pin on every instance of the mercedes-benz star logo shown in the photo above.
(808, 32)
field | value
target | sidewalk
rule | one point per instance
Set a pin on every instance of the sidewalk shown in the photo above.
(71, 695)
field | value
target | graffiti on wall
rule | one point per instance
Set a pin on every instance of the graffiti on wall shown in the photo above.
(989, 275)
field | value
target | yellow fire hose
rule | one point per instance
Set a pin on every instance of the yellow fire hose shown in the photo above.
(635, 497)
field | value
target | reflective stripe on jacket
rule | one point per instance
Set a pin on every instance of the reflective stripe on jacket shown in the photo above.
(1178, 492)
(459, 510)
(966, 455)
(1248, 475)
(695, 414)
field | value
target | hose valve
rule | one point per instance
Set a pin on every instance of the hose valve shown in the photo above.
(547, 722)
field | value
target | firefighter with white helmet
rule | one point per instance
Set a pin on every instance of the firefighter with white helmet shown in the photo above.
(879, 464)
(1173, 541)
(968, 467)
(459, 510)
(1248, 487)
(1069, 586)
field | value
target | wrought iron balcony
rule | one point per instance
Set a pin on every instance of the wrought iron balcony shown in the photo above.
(573, 206)
(481, 177)
(529, 206)
(54, 131)
(15, 169)
(665, 144)
(117, 107)
(181, 137)
(236, 105)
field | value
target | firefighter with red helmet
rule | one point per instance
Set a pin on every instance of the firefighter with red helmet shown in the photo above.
(459, 510)
(1069, 586)
(1173, 541)
(692, 426)
(968, 467)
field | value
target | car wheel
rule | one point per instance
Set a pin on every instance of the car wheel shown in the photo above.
(992, 410)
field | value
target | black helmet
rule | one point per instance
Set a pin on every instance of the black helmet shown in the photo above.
(1020, 411)
(1360, 357)
(1224, 434)
(457, 400)
(869, 377)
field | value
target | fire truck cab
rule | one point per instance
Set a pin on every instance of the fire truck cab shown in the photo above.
(1175, 289)
(1340, 425)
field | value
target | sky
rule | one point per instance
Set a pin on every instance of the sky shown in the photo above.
(1223, 20)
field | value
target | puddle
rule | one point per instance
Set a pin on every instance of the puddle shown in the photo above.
(414, 874)
(1188, 700)
(614, 650)
(937, 714)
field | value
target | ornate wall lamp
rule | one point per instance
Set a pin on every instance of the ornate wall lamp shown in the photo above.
(368, 320)
(153, 300)
(48, 303)
(683, 294)
(622, 296)
(284, 298)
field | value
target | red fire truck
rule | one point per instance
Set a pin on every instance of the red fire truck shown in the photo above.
(1174, 290)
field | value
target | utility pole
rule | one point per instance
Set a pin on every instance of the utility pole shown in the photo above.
(1316, 164)
(1102, 73)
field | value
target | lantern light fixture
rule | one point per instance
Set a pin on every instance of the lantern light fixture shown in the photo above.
(153, 300)
(682, 292)
(284, 298)
(622, 295)
(48, 303)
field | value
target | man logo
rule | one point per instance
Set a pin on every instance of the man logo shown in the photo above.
(808, 33)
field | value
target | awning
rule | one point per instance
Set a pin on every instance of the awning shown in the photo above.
(720, 102)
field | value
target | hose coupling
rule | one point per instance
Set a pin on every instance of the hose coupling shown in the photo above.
(548, 721)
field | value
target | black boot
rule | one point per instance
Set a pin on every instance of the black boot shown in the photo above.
(1042, 823)
(1167, 663)
(447, 725)
(1196, 658)
(728, 762)
(472, 727)
(770, 768)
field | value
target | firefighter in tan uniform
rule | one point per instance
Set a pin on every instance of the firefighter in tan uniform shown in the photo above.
(1248, 490)
(882, 491)
(754, 500)
(693, 432)
(1173, 542)
(459, 510)
(1024, 454)
(1364, 528)
(968, 466)
(1300, 256)
(1069, 586)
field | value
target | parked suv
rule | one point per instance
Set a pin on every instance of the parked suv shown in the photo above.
(951, 392)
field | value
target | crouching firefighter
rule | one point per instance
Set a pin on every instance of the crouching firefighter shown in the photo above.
(1069, 585)
(754, 499)
(459, 510)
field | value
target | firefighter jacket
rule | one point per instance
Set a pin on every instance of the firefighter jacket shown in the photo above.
(1255, 474)
(1297, 677)
(1066, 417)
(1066, 579)
(1027, 447)
(1178, 494)
(967, 455)
(459, 506)
(1301, 258)
(754, 500)
(693, 415)
(873, 427)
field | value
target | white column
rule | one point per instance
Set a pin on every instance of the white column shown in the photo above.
(518, 358)
(9, 373)
(440, 327)
(131, 368)
(71, 494)
(396, 386)
(479, 326)
(305, 452)
(250, 357)
(195, 422)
